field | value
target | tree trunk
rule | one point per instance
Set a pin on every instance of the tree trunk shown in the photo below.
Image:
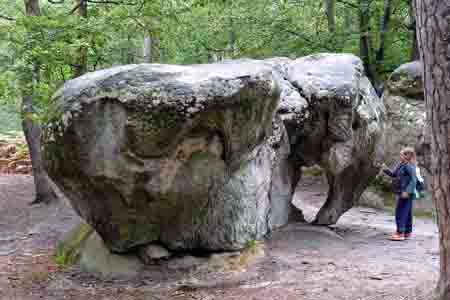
(433, 31)
(147, 48)
(383, 33)
(365, 39)
(32, 131)
(415, 55)
(231, 35)
(130, 50)
(330, 11)
(81, 64)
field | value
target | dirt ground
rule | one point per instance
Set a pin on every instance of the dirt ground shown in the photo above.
(351, 260)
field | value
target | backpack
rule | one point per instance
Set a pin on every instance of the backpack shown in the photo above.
(420, 186)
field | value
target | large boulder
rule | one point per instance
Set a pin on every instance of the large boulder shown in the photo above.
(335, 119)
(184, 156)
(405, 107)
(407, 124)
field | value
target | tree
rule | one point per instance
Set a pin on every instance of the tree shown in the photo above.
(415, 55)
(81, 65)
(330, 11)
(433, 32)
(366, 39)
(383, 33)
(71, 37)
(31, 129)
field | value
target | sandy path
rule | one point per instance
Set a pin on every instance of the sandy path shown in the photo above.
(352, 260)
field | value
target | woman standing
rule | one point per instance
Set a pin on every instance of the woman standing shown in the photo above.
(404, 183)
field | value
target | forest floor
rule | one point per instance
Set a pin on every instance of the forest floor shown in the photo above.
(351, 260)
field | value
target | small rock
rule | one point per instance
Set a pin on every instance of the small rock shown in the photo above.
(152, 253)
(23, 169)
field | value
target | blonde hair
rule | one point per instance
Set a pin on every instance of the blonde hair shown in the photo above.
(410, 155)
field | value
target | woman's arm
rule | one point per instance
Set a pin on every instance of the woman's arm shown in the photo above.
(389, 173)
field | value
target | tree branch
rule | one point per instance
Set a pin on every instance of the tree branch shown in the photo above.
(309, 40)
(111, 2)
(347, 3)
(7, 18)
(74, 9)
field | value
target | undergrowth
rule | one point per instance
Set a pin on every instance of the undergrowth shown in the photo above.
(10, 124)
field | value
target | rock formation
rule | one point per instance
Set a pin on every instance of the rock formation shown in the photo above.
(405, 107)
(334, 118)
(406, 123)
(180, 155)
(208, 156)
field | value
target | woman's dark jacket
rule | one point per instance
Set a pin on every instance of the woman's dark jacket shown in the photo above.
(406, 175)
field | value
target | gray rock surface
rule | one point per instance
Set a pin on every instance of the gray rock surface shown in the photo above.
(405, 106)
(180, 155)
(335, 119)
(208, 156)
(406, 124)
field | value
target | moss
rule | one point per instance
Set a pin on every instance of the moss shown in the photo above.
(237, 261)
(381, 185)
(69, 250)
(151, 129)
(314, 171)
(252, 250)
(200, 215)
(199, 156)
(251, 244)
(135, 234)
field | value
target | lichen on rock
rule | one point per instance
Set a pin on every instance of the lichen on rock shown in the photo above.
(178, 155)
(207, 157)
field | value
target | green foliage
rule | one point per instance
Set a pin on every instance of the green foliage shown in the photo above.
(382, 184)
(251, 244)
(38, 54)
(10, 125)
(314, 171)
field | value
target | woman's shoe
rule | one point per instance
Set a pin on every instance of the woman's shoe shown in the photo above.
(397, 237)
(407, 235)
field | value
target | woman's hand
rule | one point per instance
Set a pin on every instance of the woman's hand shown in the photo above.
(405, 195)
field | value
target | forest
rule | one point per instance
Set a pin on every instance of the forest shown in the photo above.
(224, 149)
(46, 43)
(58, 40)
